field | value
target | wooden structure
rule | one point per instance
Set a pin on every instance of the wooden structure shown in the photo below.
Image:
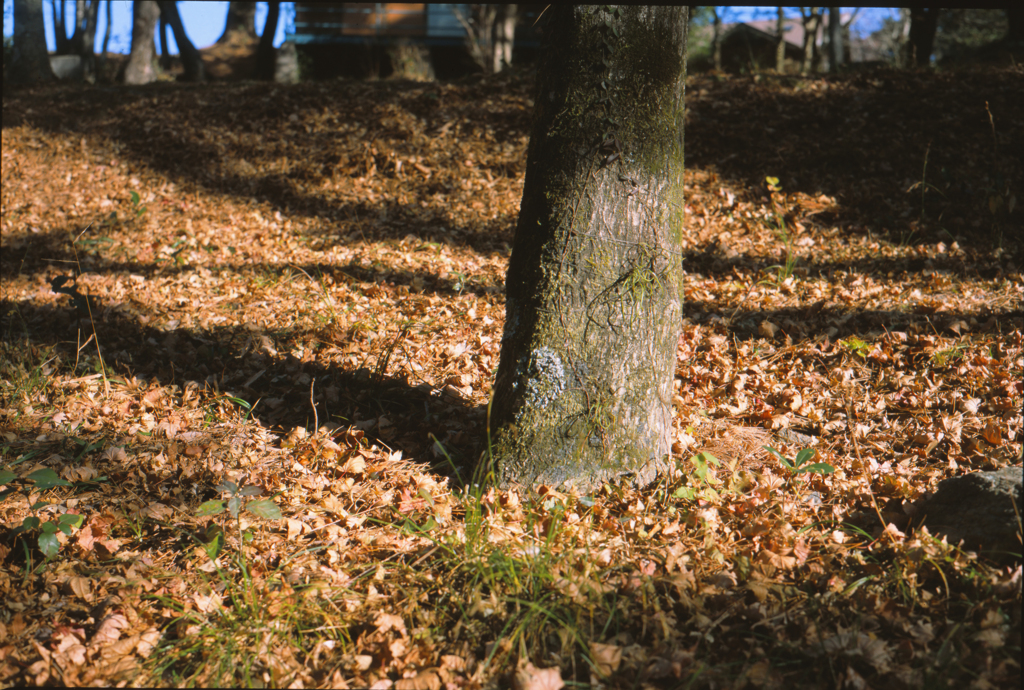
(378, 22)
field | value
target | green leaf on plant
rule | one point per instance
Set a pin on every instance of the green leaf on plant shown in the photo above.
(265, 508)
(213, 507)
(31, 522)
(818, 467)
(214, 546)
(48, 544)
(6, 476)
(251, 491)
(234, 505)
(47, 479)
(229, 486)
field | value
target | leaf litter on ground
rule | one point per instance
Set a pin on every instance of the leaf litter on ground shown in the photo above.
(290, 299)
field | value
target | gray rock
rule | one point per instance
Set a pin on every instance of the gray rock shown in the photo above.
(981, 509)
(286, 70)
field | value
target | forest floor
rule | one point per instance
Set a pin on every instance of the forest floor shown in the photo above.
(248, 338)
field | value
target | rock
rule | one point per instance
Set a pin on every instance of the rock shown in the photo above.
(286, 69)
(978, 509)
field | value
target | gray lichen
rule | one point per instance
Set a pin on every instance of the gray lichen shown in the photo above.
(546, 378)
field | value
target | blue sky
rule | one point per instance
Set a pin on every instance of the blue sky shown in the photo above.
(204, 21)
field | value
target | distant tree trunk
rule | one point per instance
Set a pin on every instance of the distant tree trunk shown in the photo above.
(583, 392)
(87, 42)
(76, 41)
(716, 40)
(923, 23)
(504, 37)
(1015, 20)
(812, 23)
(30, 63)
(835, 39)
(60, 29)
(165, 45)
(241, 20)
(479, 28)
(265, 54)
(140, 69)
(780, 41)
(106, 40)
(190, 58)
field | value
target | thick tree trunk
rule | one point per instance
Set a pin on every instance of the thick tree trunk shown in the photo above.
(165, 43)
(583, 392)
(190, 58)
(30, 63)
(140, 69)
(265, 54)
(60, 29)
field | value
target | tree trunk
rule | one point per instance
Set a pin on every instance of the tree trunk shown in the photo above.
(140, 69)
(835, 39)
(60, 29)
(504, 37)
(716, 40)
(241, 20)
(165, 45)
(923, 23)
(265, 54)
(190, 58)
(1015, 23)
(583, 391)
(780, 41)
(811, 22)
(30, 63)
(106, 30)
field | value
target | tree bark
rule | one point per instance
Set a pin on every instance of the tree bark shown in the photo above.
(716, 40)
(165, 49)
(265, 54)
(30, 63)
(60, 29)
(140, 69)
(1015, 23)
(593, 309)
(835, 39)
(812, 22)
(923, 23)
(190, 58)
(504, 38)
(241, 19)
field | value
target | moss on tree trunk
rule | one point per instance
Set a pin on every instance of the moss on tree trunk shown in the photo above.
(584, 387)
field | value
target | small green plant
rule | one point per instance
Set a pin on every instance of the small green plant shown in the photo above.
(802, 463)
(705, 474)
(857, 346)
(137, 208)
(213, 540)
(785, 270)
(43, 480)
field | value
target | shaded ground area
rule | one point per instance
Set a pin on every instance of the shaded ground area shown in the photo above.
(300, 289)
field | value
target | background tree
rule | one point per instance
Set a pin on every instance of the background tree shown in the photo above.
(140, 68)
(60, 29)
(716, 40)
(583, 390)
(780, 40)
(265, 53)
(165, 44)
(810, 17)
(923, 23)
(835, 39)
(190, 58)
(30, 64)
(504, 37)
(241, 22)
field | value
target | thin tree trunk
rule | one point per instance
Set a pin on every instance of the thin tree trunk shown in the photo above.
(504, 37)
(140, 68)
(30, 63)
(190, 58)
(835, 39)
(265, 54)
(812, 22)
(716, 40)
(60, 31)
(165, 45)
(780, 41)
(583, 392)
